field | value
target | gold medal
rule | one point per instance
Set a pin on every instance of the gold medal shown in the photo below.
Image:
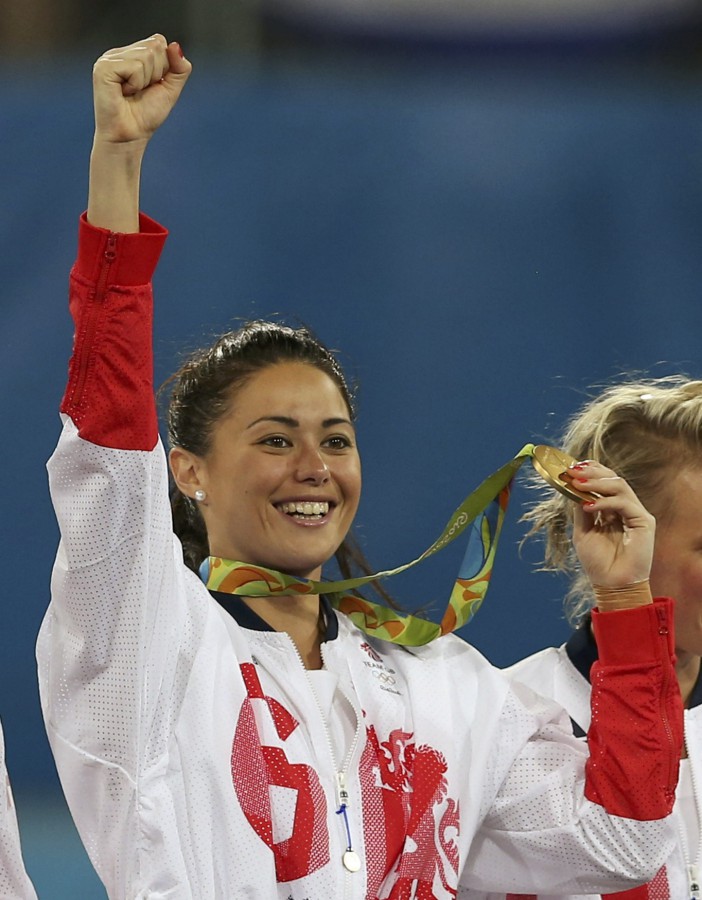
(552, 464)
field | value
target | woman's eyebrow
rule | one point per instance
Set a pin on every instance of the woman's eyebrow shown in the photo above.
(281, 420)
(293, 423)
(340, 420)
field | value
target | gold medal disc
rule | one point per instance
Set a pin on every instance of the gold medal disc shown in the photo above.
(552, 464)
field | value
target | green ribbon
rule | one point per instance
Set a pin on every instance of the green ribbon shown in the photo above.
(484, 510)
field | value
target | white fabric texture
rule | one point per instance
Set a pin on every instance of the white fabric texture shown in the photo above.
(552, 674)
(193, 752)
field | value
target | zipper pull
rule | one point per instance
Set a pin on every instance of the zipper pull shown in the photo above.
(351, 860)
(694, 882)
(342, 795)
(111, 248)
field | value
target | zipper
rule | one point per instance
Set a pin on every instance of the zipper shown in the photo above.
(91, 318)
(693, 868)
(663, 631)
(350, 858)
(690, 868)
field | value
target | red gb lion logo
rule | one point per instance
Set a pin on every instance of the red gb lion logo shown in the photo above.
(415, 854)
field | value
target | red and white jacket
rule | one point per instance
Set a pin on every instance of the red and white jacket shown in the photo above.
(563, 673)
(199, 758)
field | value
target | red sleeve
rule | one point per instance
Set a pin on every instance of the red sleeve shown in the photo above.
(110, 395)
(636, 733)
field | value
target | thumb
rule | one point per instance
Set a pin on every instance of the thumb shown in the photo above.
(179, 68)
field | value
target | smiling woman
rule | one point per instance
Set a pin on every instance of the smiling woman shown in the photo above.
(283, 446)
(213, 745)
(277, 476)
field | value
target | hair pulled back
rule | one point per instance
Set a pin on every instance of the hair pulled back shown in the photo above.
(202, 392)
(646, 430)
(204, 388)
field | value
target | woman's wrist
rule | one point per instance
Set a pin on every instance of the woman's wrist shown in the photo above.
(115, 175)
(628, 596)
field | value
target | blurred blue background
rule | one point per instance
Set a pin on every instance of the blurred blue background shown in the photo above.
(486, 223)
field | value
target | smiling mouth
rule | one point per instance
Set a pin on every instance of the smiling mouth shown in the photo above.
(309, 510)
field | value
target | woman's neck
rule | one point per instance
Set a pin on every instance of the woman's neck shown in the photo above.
(298, 617)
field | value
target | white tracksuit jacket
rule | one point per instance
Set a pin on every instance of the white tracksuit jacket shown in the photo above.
(563, 674)
(200, 760)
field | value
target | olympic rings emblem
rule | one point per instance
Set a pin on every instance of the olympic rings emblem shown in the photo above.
(383, 677)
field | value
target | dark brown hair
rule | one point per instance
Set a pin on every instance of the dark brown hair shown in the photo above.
(201, 392)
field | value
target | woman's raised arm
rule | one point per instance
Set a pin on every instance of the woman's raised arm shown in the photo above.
(134, 89)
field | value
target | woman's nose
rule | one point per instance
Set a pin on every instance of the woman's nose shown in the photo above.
(312, 467)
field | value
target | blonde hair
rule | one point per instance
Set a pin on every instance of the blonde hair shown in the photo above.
(645, 430)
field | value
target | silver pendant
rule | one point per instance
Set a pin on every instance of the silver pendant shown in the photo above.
(351, 861)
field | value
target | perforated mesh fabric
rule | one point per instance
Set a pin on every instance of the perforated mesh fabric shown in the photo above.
(143, 694)
(551, 672)
(141, 683)
(192, 752)
(553, 853)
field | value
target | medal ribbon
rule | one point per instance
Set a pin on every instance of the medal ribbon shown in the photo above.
(483, 510)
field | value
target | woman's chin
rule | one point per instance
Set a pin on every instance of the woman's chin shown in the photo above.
(310, 570)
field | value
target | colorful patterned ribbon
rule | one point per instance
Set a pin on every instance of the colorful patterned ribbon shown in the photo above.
(484, 510)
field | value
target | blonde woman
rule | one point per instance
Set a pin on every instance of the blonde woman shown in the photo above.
(650, 433)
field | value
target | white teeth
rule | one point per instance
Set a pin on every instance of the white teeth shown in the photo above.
(305, 509)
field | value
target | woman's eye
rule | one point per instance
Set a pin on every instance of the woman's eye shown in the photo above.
(338, 442)
(276, 441)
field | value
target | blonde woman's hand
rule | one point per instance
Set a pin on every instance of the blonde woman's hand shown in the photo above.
(613, 535)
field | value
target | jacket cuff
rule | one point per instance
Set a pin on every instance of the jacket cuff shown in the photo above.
(633, 636)
(136, 255)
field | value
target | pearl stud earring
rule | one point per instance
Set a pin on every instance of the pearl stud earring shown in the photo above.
(200, 495)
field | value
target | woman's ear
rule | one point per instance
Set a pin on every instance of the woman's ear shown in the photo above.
(187, 469)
